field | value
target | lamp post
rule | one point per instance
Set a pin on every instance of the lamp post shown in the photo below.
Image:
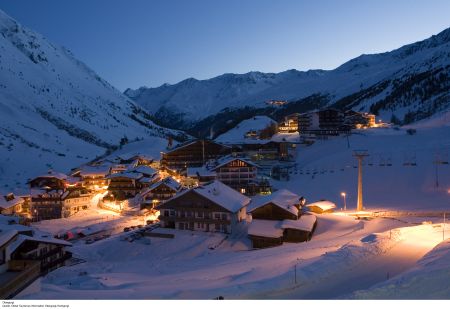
(343, 194)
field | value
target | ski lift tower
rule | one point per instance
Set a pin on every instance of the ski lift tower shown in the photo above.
(360, 155)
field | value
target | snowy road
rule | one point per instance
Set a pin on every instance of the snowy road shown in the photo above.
(395, 261)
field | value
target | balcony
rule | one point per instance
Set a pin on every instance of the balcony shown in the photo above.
(19, 275)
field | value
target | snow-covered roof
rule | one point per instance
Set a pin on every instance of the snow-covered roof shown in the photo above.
(144, 169)
(286, 137)
(88, 170)
(40, 238)
(15, 227)
(265, 228)
(4, 204)
(9, 219)
(304, 223)
(283, 198)
(223, 195)
(200, 171)
(324, 205)
(168, 181)
(126, 175)
(6, 236)
(220, 194)
(52, 174)
(150, 179)
(230, 158)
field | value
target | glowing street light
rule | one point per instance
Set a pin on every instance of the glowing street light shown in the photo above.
(343, 194)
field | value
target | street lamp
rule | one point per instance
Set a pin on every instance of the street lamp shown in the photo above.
(343, 194)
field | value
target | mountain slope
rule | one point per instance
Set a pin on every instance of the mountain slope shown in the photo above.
(411, 82)
(55, 112)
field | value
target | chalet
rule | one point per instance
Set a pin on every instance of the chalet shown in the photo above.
(75, 200)
(277, 218)
(193, 154)
(11, 204)
(124, 185)
(46, 203)
(93, 177)
(149, 175)
(201, 174)
(238, 173)
(322, 206)
(214, 207)
(24, 257)
(159, 192)
(52, 180)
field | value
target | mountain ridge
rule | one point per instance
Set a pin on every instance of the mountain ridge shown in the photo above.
(179, 102)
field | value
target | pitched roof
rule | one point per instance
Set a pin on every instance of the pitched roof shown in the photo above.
(227, 159)
(218, 193)
(8, 204)
(144, 169)
(283, 198)
(304, 223)
(52, 174)
(6, 236)
(324, 205)
(43, 238)
(88, 170)
(168, 181)
(200, 171)
(126, 175)
(265, 228)
(223, 195)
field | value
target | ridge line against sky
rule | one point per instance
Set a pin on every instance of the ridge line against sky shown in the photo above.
(148, 43)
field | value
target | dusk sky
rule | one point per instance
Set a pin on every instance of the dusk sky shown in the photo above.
(147, 43)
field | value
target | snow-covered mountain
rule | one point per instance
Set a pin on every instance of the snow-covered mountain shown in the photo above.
(55, 112)
(411, 83)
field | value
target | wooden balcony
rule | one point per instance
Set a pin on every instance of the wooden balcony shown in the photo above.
(19, 275)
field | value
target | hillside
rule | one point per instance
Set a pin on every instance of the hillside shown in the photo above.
(55, 112)
(411, 83)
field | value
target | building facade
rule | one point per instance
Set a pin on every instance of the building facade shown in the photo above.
(211, 208)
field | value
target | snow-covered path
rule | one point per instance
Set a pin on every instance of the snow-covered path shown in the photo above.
(415, 243)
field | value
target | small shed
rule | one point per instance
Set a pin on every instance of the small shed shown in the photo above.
(265, 233)
(322, 206)
(299, 230)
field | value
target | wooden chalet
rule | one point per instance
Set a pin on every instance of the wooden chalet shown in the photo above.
(211, 208)
(75, 200)
(11, 204)
(193, 154)
(159, 192)
(93, 177)
(321, 207)
(124, 185)
(24, 257)
(52, 180)
(277, 218)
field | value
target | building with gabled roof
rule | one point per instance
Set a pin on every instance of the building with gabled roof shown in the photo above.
(278, 218)
(322, 206)
(159, 192)
(214, 207)
(11, 204)
(282, 204)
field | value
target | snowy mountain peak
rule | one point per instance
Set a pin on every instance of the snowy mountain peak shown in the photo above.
(56, 111)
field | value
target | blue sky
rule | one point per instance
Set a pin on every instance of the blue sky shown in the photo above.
(141, 42)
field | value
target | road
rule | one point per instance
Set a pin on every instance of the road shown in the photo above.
(369, 272)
